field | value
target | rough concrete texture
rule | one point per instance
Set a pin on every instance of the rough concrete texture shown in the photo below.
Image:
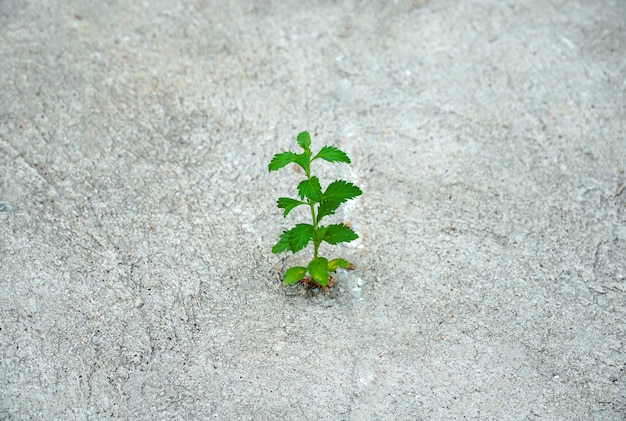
(137, 278)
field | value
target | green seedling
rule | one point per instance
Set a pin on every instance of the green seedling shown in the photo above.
(321, 204)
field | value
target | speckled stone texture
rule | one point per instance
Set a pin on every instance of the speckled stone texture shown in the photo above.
(489, 138)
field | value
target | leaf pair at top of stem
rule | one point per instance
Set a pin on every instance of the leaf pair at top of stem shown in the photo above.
(321, 203)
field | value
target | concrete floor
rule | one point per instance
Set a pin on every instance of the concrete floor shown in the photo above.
(489, 138)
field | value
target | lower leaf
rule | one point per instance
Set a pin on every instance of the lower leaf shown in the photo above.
(293, 275)
(318, 268)
(334, 264)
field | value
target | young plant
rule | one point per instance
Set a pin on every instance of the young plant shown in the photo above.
(321, 204)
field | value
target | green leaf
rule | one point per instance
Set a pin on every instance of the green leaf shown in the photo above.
(293, 275)
(304, 160)
(339, 233)
(327, 207)
(304, 140)
(334, 264)
(310, 188)
(318, 268)
(294, 239)
(319, 234)
(300, 236)
(332, 154)
(288, 204)
(336, 193)
(283, 243)
(281, 159)
(340, 191)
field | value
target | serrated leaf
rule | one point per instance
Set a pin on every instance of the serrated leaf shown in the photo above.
(332, 154)
(327, 207)
(283, 243)
(318, 268)
(300, 236)
(288, 204)
(294, 239)
(334, 264)
(293, 275)
(336, 193)
(281, 159)
(304, 140)
(339, 233)
(340, 191)
(304, 160)
(310, 188)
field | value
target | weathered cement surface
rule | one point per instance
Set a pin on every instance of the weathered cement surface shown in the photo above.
(137, 281)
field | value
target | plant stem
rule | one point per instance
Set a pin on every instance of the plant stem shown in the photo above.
(307, 171)
(315, 242)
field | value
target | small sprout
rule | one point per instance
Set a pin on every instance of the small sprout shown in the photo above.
(321, 202)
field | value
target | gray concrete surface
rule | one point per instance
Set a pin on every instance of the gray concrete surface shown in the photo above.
(137, 278)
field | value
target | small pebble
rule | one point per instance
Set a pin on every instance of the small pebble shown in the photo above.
(3, 207)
